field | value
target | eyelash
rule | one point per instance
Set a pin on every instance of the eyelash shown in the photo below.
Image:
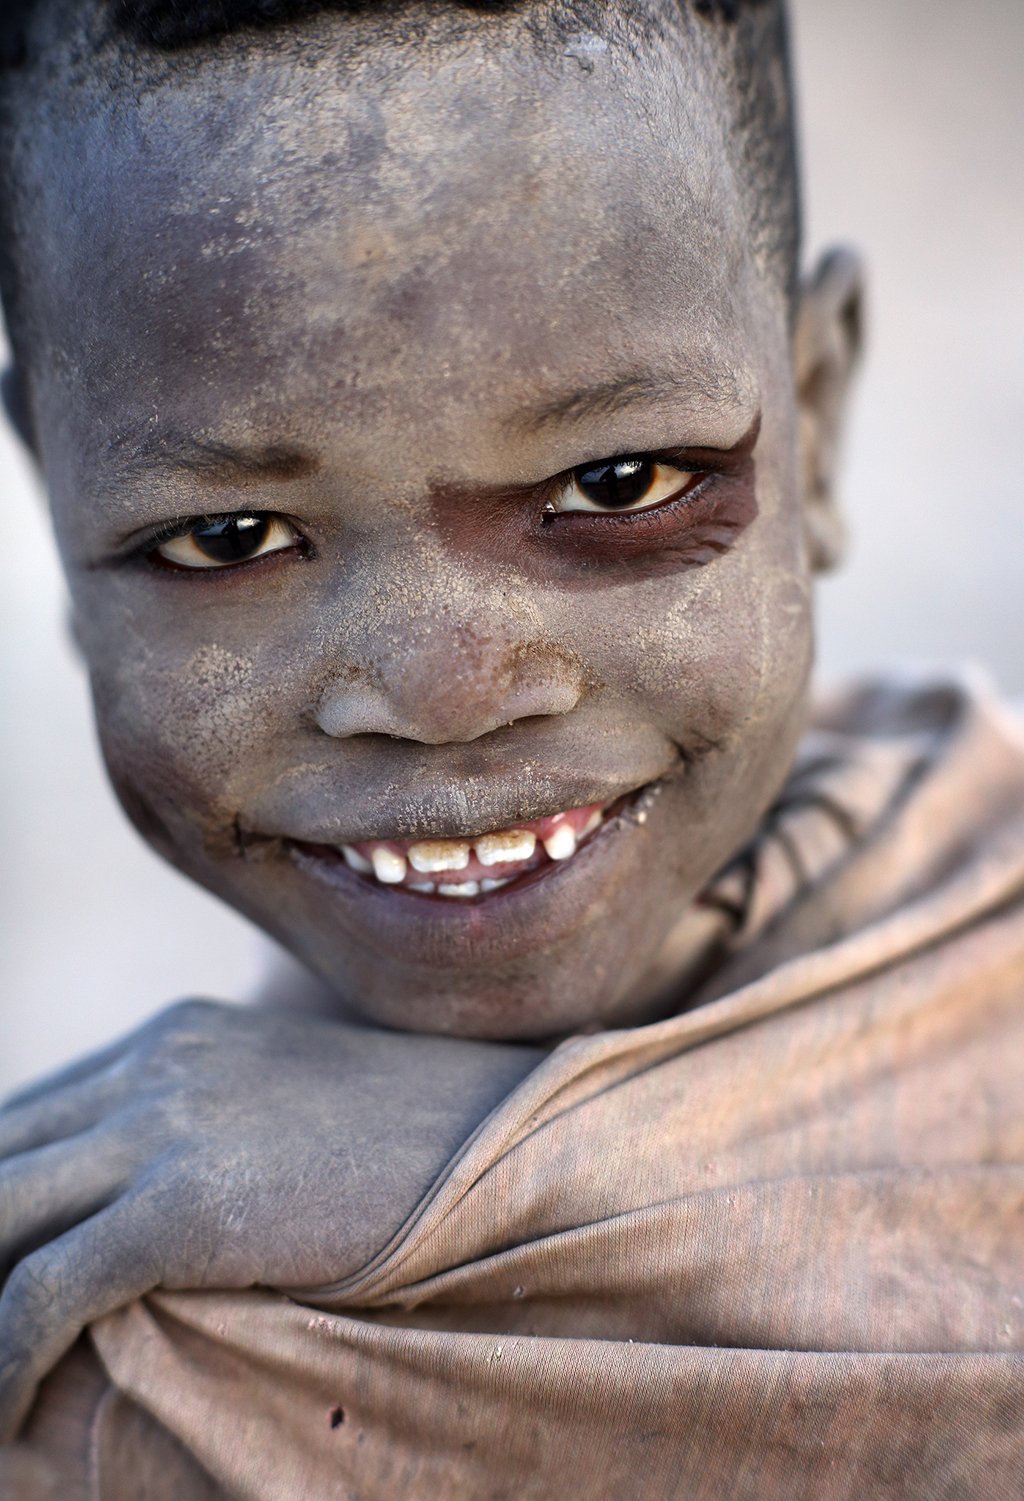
(168, 531)
(706, 467)
(657, 525)
(704, 475)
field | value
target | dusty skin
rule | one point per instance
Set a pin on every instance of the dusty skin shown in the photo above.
(392, 312)
(395, 313)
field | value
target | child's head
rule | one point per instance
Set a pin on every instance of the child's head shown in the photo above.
(436, 441)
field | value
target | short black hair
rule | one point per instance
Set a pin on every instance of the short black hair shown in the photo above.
(183, 23)
(752, 38)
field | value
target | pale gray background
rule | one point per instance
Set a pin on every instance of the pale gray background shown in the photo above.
(912, 129)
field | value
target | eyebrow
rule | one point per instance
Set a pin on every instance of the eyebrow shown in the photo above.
(224, 464)
(215, 463)
(721, 390)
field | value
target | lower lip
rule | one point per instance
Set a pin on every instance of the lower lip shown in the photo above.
(533, 911)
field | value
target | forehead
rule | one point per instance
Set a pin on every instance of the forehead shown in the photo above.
(288, 230)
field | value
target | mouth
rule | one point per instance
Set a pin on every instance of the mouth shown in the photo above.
(479, 866)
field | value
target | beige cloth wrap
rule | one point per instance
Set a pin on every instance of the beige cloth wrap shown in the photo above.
(770, 1248)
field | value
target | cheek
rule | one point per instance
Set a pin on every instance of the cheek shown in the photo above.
(733, 647)
(713, 656)
(182, 734)
(719, 656)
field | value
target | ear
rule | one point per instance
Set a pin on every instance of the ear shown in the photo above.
(826, 349)
(16, 405)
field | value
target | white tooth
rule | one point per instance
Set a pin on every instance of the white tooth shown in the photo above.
(591, 823)
(561, 843)
(388, 867)
(427, 886)
(438, 854)
(487, 884)
(502, 849)
(467, 888)
(355, 861)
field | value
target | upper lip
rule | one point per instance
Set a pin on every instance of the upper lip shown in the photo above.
(362, 789)
(433, 817)
(434, 807)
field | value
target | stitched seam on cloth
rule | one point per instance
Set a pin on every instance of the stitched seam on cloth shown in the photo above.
(912, 929)
(432, 1289)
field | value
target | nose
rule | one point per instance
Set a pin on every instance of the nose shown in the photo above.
(447, 681)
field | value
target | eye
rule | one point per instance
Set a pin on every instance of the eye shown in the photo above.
(221, 541)
(635, 482)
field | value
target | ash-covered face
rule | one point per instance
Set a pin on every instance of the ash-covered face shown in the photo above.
(426, 463)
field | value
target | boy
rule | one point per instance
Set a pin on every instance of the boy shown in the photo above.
(440, 449)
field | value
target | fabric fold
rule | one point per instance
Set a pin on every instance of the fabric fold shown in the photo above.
(770, 1247)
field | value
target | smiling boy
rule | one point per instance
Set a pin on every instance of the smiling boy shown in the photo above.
(440, 448)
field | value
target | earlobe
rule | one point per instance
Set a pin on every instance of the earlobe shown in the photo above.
(826, 350)
(16, 406)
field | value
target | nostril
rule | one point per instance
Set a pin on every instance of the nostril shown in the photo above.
(347, 709)
(444, 717)
(541, 700)
(450, 696)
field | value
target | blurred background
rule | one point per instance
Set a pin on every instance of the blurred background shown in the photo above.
(911, 125)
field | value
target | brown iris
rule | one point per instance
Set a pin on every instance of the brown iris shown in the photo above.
(231, 539)
(618, 483)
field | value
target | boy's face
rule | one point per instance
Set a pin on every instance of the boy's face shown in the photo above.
(394, 311)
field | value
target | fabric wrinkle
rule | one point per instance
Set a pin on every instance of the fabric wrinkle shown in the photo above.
(770, 1247)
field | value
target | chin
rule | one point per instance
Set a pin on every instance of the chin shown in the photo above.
(537, 1002)
(573, 953)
